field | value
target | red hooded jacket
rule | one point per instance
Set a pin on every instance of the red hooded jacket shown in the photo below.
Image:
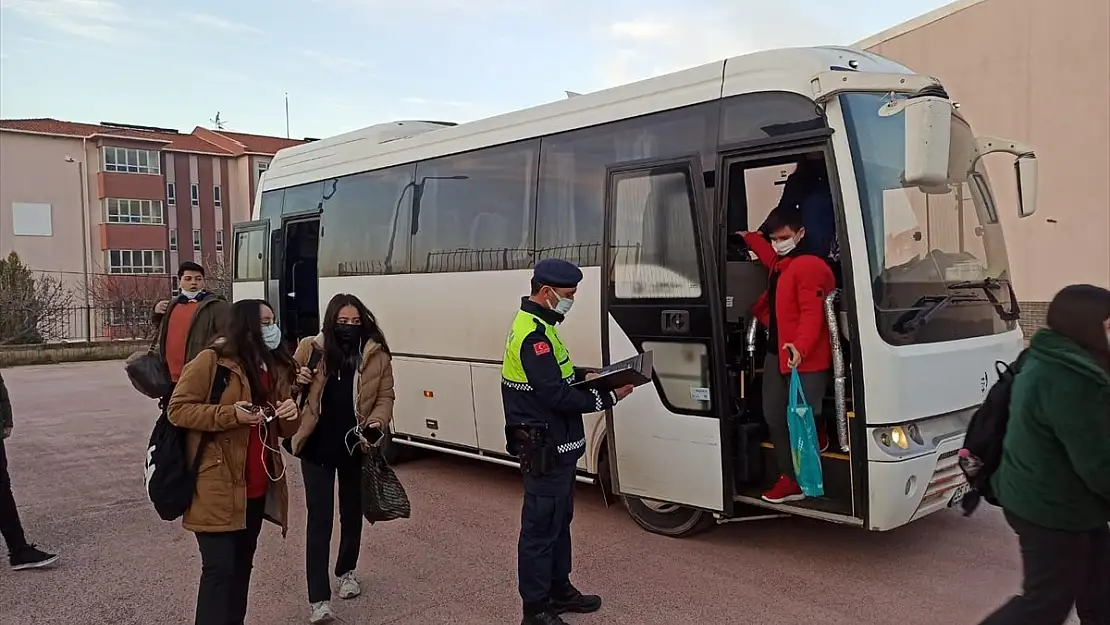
(804, 282)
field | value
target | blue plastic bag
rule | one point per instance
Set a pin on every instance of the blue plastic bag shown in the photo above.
(803, 440)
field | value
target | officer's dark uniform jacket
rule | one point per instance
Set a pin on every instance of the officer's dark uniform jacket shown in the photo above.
(535, 383)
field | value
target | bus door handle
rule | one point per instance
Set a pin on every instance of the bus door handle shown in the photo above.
(675, 321)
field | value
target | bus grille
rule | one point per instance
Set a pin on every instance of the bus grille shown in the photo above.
(947, 477)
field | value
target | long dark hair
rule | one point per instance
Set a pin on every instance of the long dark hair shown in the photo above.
(335, 356)
(243, 343)
(1079, 312)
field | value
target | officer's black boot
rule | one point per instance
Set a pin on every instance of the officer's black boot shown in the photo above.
(566, 598)
(540, 614)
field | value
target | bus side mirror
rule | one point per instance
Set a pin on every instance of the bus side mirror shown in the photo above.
(1025, 169)
(928, 127)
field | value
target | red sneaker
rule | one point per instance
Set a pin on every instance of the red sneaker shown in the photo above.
(784, 490)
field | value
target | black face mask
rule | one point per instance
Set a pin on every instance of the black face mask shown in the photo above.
(348, 334)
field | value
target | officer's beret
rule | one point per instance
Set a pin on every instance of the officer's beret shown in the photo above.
(556, 272)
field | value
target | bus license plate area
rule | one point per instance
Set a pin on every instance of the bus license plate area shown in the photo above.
(958, 495)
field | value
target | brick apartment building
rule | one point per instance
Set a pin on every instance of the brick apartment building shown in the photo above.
(94, 201)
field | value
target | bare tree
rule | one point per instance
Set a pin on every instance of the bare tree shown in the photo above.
(125, 303)
(218, 274)
(33, 309)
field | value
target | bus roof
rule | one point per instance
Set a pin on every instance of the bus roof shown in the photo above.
(395, 143)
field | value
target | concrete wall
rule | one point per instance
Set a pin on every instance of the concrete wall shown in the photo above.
(33, 170)
(1037, 72)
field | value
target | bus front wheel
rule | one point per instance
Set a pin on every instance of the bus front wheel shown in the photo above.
(667, 519)
(655, 516)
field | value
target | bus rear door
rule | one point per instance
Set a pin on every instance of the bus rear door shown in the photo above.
(666, 443)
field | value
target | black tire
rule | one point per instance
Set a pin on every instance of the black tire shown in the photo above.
(656, 517)
(668, 519)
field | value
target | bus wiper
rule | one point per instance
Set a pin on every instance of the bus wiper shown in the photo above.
(920, 313)
(989, 286)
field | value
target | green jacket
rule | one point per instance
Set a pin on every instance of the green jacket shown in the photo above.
(1055, 469)
(5, 406)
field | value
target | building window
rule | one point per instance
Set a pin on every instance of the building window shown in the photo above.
(131, 314)
(261, 167)
(219, 240)
(217, 196)
(196, 240)
(132, 161)
(134, 211)
(194, 195)
(171, 193)
(136, 261)
(173, 239)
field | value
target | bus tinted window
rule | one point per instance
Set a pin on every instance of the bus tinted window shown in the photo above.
(769, 114)
(655, 250)
(474, 210)
(572, 174)
(305, 197)
(271, 204)
(366, 223)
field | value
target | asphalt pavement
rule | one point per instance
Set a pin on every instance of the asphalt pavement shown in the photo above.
(77, 466)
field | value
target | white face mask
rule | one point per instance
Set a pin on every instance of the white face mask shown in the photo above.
(562, 304)
(782, 248)
(271, 336)
(191, 294)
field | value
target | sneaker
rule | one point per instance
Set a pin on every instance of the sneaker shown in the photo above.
(348, 586)
(572, 600)
(543, 618)
(784, 490)
(30, 557)
(321, 613)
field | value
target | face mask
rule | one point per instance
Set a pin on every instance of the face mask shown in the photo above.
(191, 295)
(1108, 338)
(782, 248)
(271, 336)
(562, 304)
(347, 333)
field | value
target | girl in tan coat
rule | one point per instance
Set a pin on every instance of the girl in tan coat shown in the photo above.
(349, 396)
(241, 476)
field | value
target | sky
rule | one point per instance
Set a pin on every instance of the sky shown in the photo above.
(347, 64)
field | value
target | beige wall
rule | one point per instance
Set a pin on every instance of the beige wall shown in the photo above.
(1037, 72)
(33, 170)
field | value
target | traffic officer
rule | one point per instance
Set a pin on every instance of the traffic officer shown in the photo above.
(543, 428)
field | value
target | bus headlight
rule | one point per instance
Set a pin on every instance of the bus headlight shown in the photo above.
(898, 436)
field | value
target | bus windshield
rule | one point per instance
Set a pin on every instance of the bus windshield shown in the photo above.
(937, 257)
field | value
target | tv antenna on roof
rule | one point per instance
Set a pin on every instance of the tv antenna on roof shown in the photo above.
(219, 123)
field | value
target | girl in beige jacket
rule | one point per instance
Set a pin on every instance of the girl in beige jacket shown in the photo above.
(348, 394)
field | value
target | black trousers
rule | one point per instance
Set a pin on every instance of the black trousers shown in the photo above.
(544, 548)
(776, 399)
(226, 562)
(10, 526)
(1061, 569)
(319, 491)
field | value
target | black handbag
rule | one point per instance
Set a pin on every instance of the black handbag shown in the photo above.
(383, 496)
(149, 373)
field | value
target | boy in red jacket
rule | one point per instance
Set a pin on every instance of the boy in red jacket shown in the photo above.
(793, 311)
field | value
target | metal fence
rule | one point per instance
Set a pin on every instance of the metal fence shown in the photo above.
(29, 325)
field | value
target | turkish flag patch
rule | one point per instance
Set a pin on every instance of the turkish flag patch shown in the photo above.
(541, 348)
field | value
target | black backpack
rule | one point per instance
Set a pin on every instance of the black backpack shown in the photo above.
(170, 480)
(982, 451)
